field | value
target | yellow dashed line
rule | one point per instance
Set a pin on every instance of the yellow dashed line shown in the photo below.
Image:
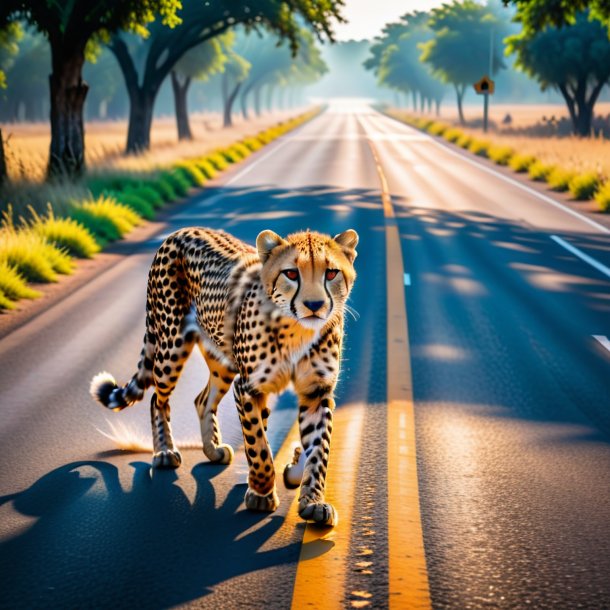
(408, 576)
(320, 577)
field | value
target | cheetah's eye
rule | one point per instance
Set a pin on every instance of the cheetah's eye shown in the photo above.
(291, 274)
(331, 274)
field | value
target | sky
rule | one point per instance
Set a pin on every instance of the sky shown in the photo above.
(367, 17)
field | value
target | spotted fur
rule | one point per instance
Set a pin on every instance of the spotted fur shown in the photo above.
(263, 318)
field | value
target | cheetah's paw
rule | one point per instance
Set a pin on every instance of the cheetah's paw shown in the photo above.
(167, 459)
(321, 513)
(267, 503)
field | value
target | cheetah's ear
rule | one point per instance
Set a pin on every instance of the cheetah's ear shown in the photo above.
(348, 240)
(266, 242)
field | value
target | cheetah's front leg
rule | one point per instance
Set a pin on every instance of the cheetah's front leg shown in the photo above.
(253, 412)
(316, 425)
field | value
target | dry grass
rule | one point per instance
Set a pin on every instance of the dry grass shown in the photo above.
(28, 143)
(580, 155)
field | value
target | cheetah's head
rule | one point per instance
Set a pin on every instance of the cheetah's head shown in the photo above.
(308, 275)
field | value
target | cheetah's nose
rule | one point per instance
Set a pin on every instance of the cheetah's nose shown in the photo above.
(313, 305)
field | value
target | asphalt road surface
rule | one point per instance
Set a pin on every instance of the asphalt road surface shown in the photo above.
(507, 371)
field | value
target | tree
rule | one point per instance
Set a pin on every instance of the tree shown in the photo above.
(235, 73)
(459, 53)
(70, 28)
(200, 22)
(575, 59)
(536, 14)
(199, 63)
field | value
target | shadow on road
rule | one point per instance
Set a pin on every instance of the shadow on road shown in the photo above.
(88, 528)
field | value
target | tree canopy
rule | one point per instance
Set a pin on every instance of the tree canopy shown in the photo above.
(575, 59)
(536, 14)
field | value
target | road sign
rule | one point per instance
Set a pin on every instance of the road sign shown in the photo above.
(485, 86)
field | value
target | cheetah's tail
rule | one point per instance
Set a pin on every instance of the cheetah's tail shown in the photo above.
(105, 390)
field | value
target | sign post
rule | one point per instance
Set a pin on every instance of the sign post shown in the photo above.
(485, 87)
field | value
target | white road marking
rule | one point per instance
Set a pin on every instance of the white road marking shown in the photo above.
(604, 342)
(585, 257)
(516, 183)
(407, 279)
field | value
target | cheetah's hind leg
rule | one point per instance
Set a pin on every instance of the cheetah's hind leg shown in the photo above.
(207, 403)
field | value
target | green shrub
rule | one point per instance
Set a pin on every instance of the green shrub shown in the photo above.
(12, 284)
(191, 173)
(98, 184)
(452, 135)
(65, 233)
(231, 155)
(539, 171)
(139, 205)
(479, 147)
(106, 218)
(178, 181)
(163, 185)
(241, 149)
(559, 179)
(584, 186)
(602, 197)
(500, 154)
(147, 192)
(521, 163)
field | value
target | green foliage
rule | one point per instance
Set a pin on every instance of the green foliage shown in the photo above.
(106, 218)
(164, 186)
(574, 59)
(206, 167)
(539, 171)
(133, 201)
(65, 233)
(521, 163)
(602, 197)
(10, 35)
(559, 179)
(191, 173)
(148, 192)
(178, 182)
(584, 186)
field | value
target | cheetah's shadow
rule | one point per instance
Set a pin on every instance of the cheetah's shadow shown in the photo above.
(94, 544)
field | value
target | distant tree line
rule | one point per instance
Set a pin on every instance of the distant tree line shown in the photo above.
(149, 39)
(564, 46)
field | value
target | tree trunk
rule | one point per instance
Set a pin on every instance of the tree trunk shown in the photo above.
(269, 101)
(422, 103)
(257, 101)
(3, 171)
(243, 100)
(460, 96)
(228, 98)
(141, 107)
(438, 107)
(414, 100)
(180, 103)
(68, 93)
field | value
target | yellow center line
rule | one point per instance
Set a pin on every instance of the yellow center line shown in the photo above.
(408, 576)
(320, 577)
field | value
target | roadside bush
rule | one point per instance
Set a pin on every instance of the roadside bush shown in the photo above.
(435, 128)
(231, 155)
(98, 184)
(241, 149)
(452, 135)
(5, 302)
(464, 140)
(191, 173)
(139, 205)
(35, 259)
(178, 182)
(65, 233)
(252, 143)
(539, 171)
(559, 179)
(12, 285)
(602, 197)
(206, 167)
(218, 161)
(479, 147)
(163, 185)
(147, 192)
(583, 186)
(500, 154)
(521, 163)
(106, 218)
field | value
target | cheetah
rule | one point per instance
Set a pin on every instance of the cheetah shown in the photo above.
(263, 318)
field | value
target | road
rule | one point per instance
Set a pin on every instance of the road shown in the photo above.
(479, 302)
